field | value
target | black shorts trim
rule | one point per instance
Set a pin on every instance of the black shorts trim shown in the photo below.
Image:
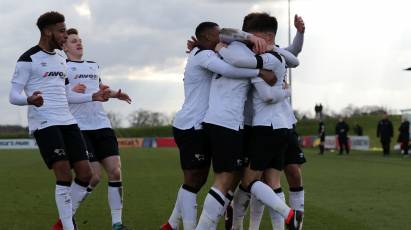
(194, 148)
(61, 142)
(101, 143)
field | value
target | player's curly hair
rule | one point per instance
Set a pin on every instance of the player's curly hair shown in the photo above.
(49, 18)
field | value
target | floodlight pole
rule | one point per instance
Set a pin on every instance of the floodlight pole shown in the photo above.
(289, 43)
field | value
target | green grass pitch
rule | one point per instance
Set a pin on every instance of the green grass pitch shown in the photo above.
(359, 191)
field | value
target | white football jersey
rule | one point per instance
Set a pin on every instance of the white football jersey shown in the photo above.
(39, 70)
(89, 115)
(227, 97)
(197, 80)
(278, 115)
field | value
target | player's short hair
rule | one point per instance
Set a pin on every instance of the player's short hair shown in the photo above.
(204, 27)
(49, 18)
(247, 19)
(260, 22)
(72, 31)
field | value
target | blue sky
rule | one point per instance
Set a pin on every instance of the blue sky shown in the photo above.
(354, 51)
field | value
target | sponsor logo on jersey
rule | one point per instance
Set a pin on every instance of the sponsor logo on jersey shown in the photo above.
(62, 75)
(83, 76)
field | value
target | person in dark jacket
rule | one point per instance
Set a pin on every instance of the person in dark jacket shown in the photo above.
(404, 136)
(385, 132)
(358, 130)
(341, 130)
(321, 135)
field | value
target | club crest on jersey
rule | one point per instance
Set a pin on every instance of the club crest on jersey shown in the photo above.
(199, 157)
(83, 76)
(60, 152)
(62, 75)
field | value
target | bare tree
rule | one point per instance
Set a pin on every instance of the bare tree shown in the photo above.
(115, 119)
(144, 118)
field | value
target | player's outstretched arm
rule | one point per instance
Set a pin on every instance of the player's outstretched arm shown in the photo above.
(120, 95)
(210, 61)
(270, 94)
(298, 40)
(236, 56)
(213, 63)
(290, 59)
(74, 97)
(228, 35)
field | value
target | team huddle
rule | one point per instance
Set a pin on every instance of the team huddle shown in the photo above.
(236, 117)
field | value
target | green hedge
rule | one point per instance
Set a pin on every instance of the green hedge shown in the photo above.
(304, 127)
(162, 131)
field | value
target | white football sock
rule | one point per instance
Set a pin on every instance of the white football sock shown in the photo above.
(188, 205)
(227, 201)
(277, 221)
(115, 200)
(256, 213)
(175, 217)
(64, 205)
(267, 196)
(296, 198)
(240, 205)
(78, 194)
(213, 206)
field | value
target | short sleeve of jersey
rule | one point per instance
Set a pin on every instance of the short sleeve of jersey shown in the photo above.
(205, 57)
(22, 72)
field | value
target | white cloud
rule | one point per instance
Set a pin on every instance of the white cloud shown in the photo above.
(354, 51)
(83, 9)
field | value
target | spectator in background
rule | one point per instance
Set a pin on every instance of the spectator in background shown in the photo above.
(318, 108)
(341, 130)
(321, 134)
(404, 136)
(358, 130)
(385, 132)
